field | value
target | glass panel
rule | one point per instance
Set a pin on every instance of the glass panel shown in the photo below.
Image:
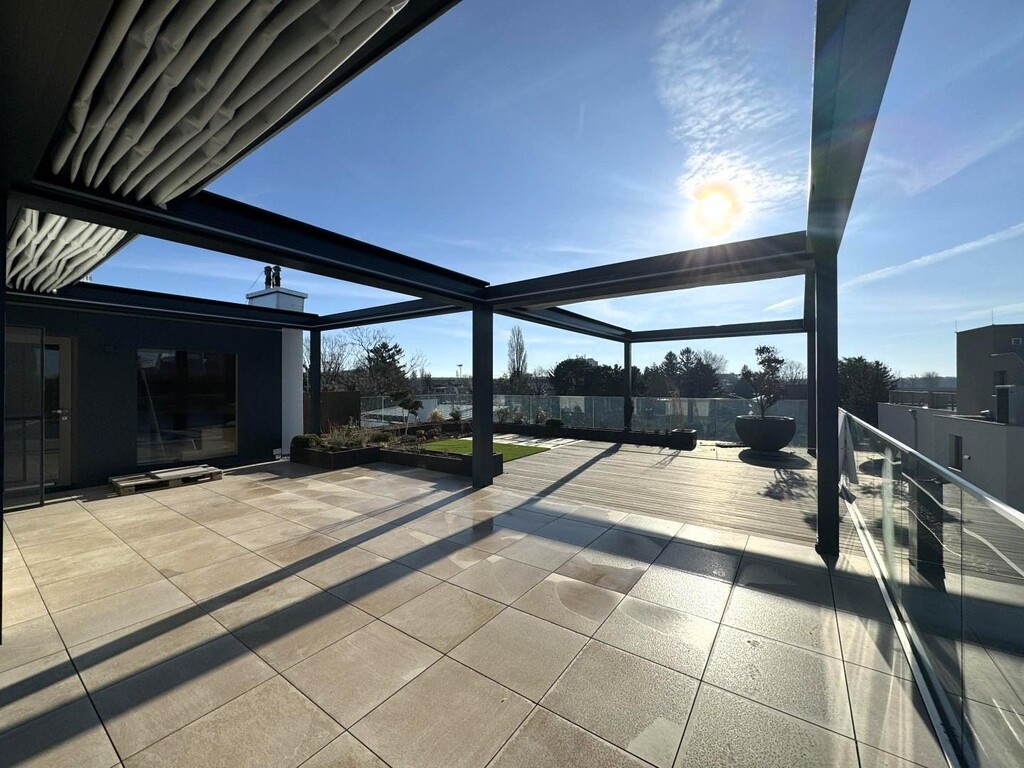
(23, 417)
(187, 405)
(953, 561)
(51, 414)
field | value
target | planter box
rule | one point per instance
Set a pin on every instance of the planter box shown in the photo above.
(453, 464)
(678, 439)
(349, 457)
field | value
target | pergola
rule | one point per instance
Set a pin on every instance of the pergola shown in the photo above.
(49, 56)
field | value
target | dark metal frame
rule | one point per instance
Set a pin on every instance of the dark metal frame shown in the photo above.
(855, 43)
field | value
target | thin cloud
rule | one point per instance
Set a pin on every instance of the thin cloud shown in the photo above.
(933, 258)
(1010, 233)
(713, 82)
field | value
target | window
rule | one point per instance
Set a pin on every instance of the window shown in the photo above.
(1016, 341)
(187, 406)
(956, 452)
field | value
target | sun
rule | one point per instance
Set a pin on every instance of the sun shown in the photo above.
(717, 208)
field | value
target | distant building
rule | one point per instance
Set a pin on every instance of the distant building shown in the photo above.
(987, 450)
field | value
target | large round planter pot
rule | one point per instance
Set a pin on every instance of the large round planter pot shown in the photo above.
(771, 433)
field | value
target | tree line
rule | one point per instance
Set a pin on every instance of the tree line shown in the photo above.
(370, 361)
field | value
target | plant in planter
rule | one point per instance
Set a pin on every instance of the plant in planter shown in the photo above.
(455, 413)
(760, 431)
(540, 417)
(553, 423)
(503, 414)
(435, 416)
(407, 401)
(307, 441)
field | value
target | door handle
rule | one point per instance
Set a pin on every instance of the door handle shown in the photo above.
(62, 412)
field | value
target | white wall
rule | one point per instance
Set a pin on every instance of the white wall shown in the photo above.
(291, 387)
(996, 451)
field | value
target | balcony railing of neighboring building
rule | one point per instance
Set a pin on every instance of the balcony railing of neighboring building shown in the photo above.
(923, 398)
(950, 558)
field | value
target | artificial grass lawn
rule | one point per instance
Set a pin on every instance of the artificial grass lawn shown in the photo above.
(509, 451)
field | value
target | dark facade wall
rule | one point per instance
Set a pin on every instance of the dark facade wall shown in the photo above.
(106, 388)
(980, 352)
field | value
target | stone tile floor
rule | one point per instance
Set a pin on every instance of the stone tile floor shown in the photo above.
(391, 617)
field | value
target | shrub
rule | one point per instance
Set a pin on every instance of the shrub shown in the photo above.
(455, 413)
(503, 414)
(518, 418)
(435, 417)
(307, 441)
(540, 417)
(378, 437)
(554, 423)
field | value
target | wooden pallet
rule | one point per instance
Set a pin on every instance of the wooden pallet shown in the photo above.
(164, 478)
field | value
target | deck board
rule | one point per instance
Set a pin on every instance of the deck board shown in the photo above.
(713, 487)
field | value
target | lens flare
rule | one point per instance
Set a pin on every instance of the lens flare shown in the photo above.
(717, 209)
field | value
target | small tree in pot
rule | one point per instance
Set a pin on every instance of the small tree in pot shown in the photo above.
(763, 432)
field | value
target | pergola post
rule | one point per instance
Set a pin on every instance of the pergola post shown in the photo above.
(483, 395)
(315, 387)
(810, 322)
(826, 293)
(627, 386)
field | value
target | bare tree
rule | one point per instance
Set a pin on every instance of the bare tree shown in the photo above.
(929, 380)
(794, 372)
(336, 362)
(518, 373)
(713, 360)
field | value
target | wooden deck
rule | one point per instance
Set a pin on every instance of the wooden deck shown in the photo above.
(723, 488)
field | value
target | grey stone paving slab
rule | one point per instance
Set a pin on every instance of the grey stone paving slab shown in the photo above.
(444, 616)
(702, 561)
(28, 641)
(570, 603)
(808, 625)
(36, 688)
(546, 739)
(346, 751)
(448, 717)
(352, 676)
(631, 702)
(286, 637)
(291, 729)
(663, 635)
(69, 737)
(803, 683)
(603, 569)
(683, 591)
(100, 617)
(520, 651)
(541, 552)
(443, 559)
(68, 593)
(385, 588)
(146, 707)
(729, 731)
(889, 714)
(500, 578)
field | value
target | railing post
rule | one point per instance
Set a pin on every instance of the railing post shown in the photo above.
(826, 294)
(627, 386)
(483, 395)
(315, 363)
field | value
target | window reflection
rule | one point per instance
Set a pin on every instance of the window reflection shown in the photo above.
(187, 405)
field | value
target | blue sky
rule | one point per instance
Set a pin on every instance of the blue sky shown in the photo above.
(514, 140)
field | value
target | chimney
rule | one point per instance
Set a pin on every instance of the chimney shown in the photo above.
(274, 296)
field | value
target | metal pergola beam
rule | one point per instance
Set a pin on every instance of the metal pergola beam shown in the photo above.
(218, 223)
(760, 259)
(388, 313)
(732, 330)
(855, 44)
(114, 300)
(563, 319)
